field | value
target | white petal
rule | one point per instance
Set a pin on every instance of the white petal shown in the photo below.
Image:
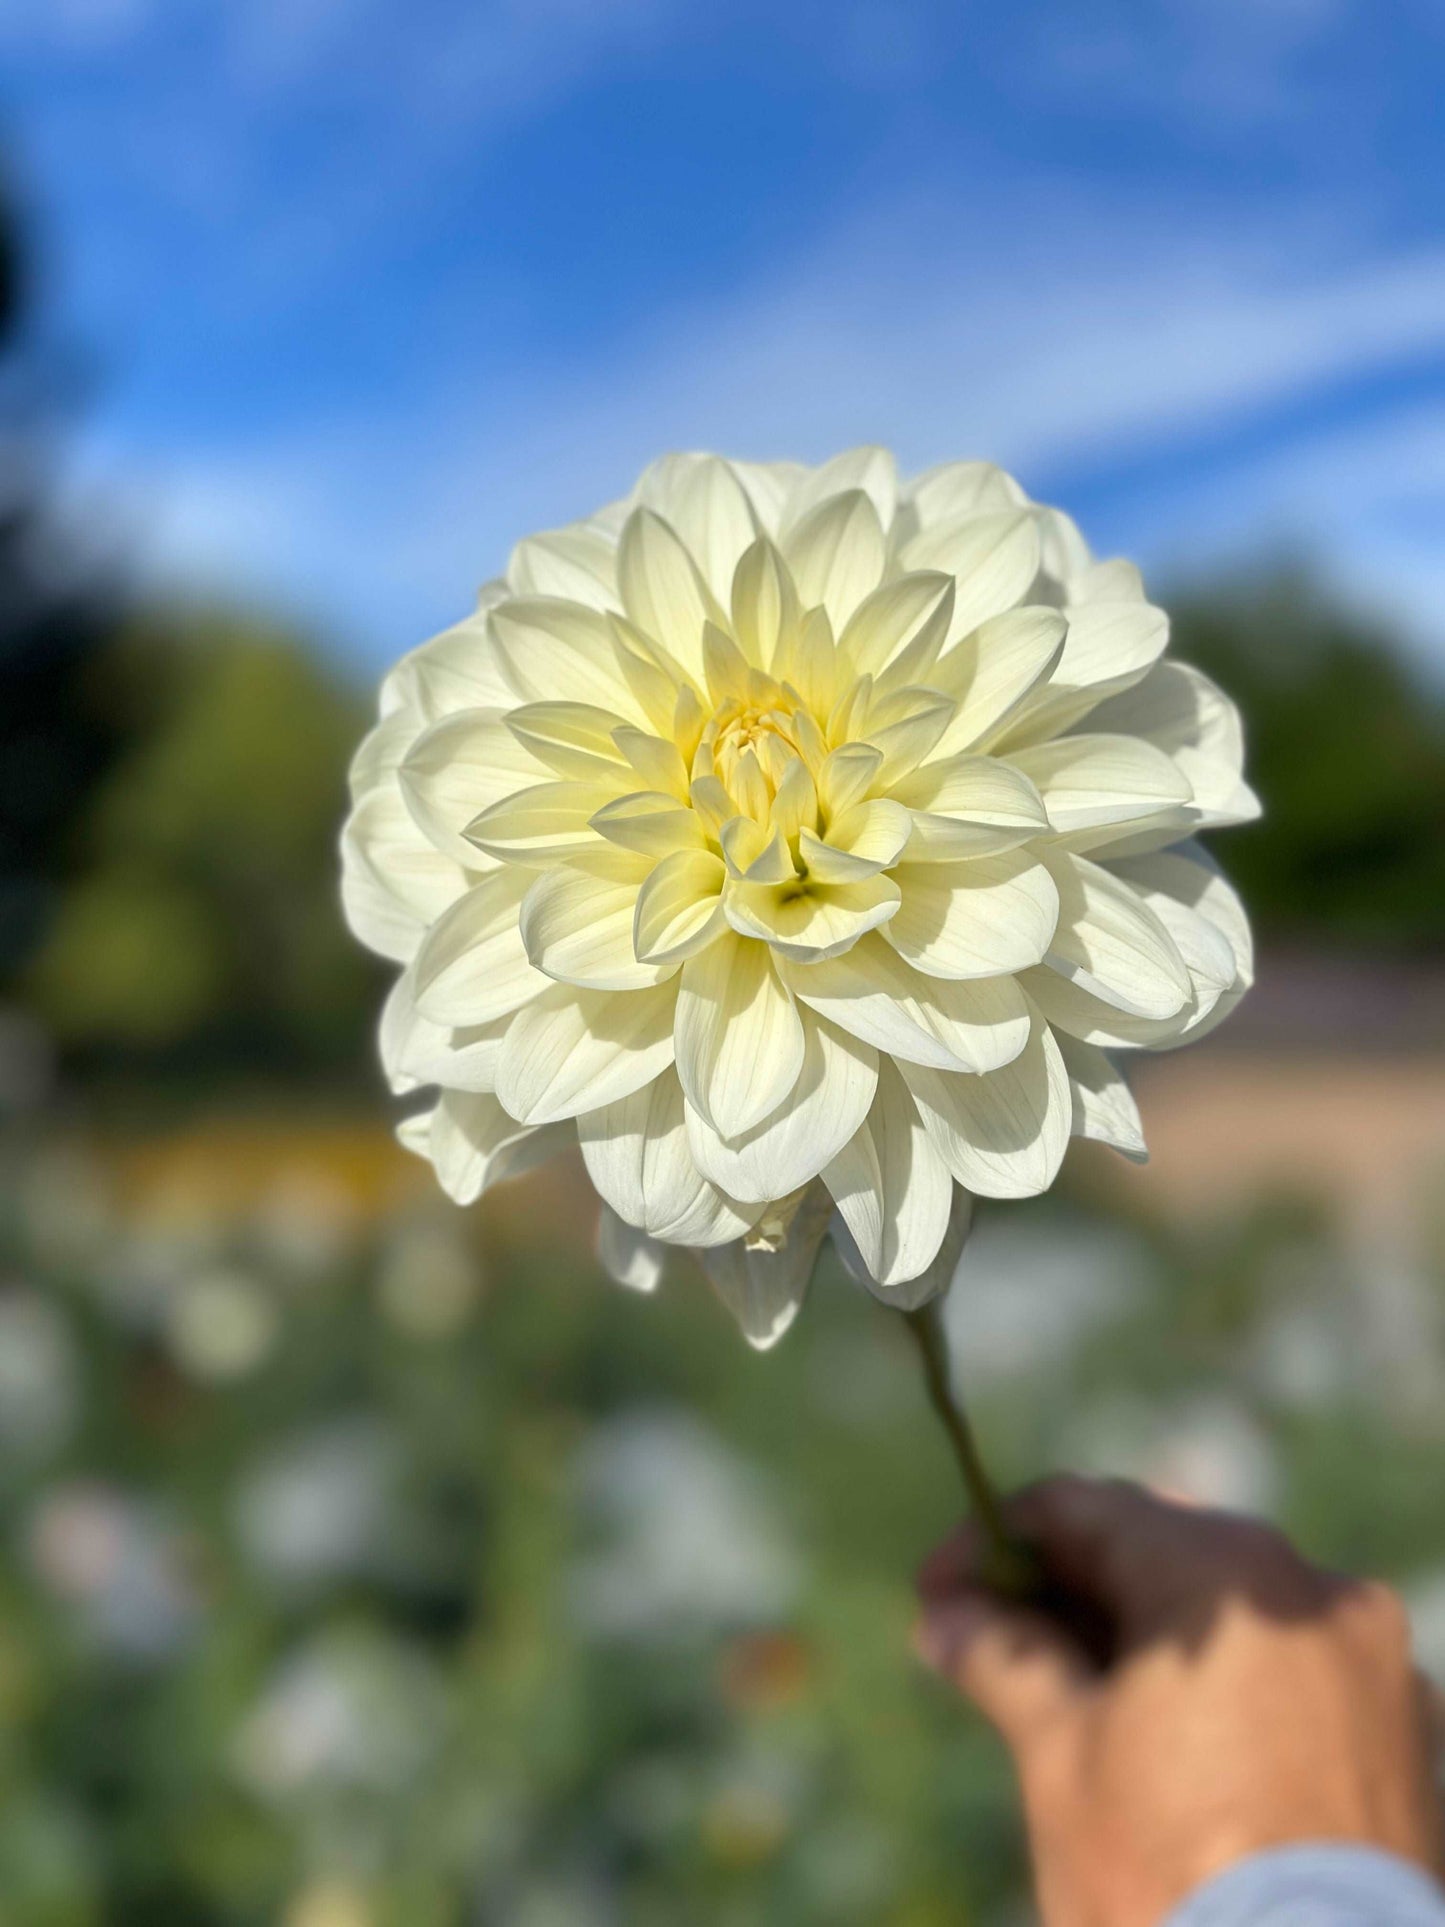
(416, 1051)
(679, 907)
(962, 1025)
(664, 593)
(459, 669)
(544, 824)
(1089, 781)
(629, 1257)
(1190, 877)
(577, 563)
(993, 560)
(992, 672)
(764, 1290)
(394, 880)
(1110, 645)
(914, 1293)
(891, 1186)
(836, 553)
(967, 806)
(765, 606)
(459, 767)
(978, 919)
(1110, 944)
(1002, 1135)
(379, 753)
(474, 1144)
(637, 1155)
(578, 928)
(566, 739)
(572, 1051)
(957, 489)
(825, 1107)
(1104, 1107)
(903, 623)
(739, 1036)
(1075, 1011)
(870, 469)
(707, 504)
(861, 841)
(558, 651)
(473, 965)
(814, 922)
(1181, 712)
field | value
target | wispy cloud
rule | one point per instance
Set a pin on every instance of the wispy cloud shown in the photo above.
(1058, 359)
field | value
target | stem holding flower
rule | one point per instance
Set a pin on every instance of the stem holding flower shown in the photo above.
(1007, 1566)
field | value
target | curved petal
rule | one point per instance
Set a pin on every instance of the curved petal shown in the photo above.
(891, 1187)
(979, 919)
(556, 650)
(868, 468)
(992, 558)
(811, 921)
(628, 1256)
(1104, 1107)
(577, 563)
(679, 907)
(913, 1293)
(827, 1104)
(1002, 1135)
(1110, 944)
(1089, 782)
(764, 1287)
(473, 1144)
(577, 927)
(473, 965)
(974, 1024)
(664, 593)
(836, 552)
(992, 672)
(637, 1154)
(739, 1036)
(459, 767)
(394, 880)
(572, 1051)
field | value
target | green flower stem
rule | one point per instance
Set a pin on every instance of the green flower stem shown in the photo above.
(1006, 1566)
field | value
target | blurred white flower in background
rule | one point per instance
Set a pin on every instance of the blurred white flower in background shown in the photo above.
(119, 1564)
(354, 1709)
(39, 1387)
(316, 1506)
(688, 1539)
(428, 1280)
(802, 842)
(221, 1325)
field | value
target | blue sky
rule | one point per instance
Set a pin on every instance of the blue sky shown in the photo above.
(373, 287)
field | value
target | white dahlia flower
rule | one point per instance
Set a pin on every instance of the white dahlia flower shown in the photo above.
(803, 844)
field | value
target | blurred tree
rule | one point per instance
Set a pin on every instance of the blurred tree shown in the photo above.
(1347, 750)
(54, 613)
(205, 920)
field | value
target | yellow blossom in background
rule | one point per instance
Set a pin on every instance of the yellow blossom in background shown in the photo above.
(804, 844)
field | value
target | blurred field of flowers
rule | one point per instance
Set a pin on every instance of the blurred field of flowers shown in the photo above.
(364, 1562)
(388, 1565)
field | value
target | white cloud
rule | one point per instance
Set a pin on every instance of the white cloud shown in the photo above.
(1094, 343)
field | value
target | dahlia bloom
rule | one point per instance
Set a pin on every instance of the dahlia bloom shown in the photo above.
(803, 844)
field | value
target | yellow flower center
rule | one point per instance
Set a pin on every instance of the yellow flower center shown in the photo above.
(737, 727)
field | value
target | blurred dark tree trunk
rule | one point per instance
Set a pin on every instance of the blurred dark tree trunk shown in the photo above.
(56, 612)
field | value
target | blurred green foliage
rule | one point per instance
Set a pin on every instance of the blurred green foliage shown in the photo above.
(376, 1576)
(203, 911)
(1347, 750)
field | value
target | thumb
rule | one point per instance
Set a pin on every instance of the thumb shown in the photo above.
(1020, 1668)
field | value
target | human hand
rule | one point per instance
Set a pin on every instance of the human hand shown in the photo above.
(1254, 1700)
